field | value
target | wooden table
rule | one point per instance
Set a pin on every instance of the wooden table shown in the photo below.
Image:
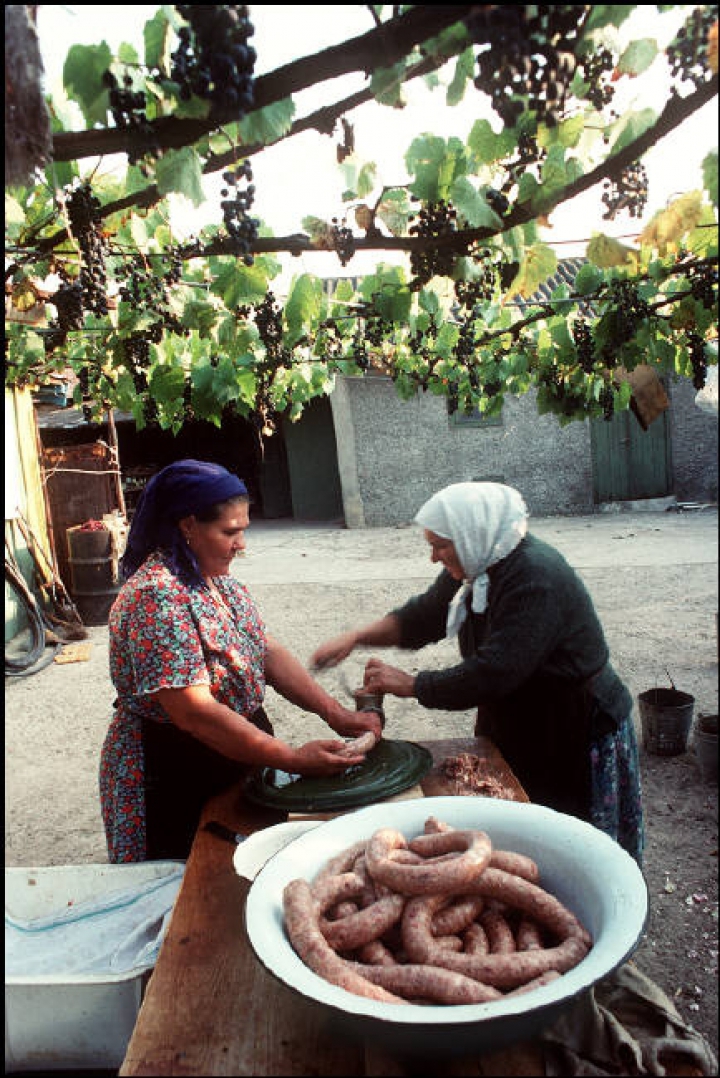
(210, 1008)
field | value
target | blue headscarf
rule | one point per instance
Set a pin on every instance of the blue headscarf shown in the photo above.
(182, 489)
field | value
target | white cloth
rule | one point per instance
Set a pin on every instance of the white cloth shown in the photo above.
(484, 522)
(117, 933)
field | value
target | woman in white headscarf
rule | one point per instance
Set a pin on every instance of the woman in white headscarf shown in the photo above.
(534, 660)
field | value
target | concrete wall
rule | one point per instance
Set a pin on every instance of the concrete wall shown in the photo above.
(393, 454)
(694, 445)
(406, 450)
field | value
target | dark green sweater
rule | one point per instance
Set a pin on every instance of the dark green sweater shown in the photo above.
(540, 620)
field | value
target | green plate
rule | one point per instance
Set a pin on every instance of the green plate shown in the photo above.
(388, 769)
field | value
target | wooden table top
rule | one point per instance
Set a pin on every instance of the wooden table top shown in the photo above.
(210, 1008)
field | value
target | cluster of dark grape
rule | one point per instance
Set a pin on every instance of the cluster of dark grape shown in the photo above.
(241, 228)
(565, 401)
(582, 337)
(268, 319)
(704, 284)
(343, 240)
(465, 350)
(626, 310)
(127, 108)
(83, 210)
(528, 152)
(146, 290)
(68, 302)
(628, 193)
(136, 356)
(527, 58)
(214, 60)
(358, 350)
(606, 400)
(597, 67)
(688, 53)
(698, 358)
(433, 221)
(481, 288)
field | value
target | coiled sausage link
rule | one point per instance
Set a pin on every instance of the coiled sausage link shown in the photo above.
(364, 926)
(301, 922)
(433, 983)
(452, 876)
(500, 970)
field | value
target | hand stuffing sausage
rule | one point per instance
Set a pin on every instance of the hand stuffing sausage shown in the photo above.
(440, 918)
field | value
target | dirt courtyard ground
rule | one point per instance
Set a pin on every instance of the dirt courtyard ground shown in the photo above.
(653, 576)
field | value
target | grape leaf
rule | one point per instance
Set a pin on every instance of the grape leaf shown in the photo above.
(181, 170)
(539, 263)
(638, 56)
(84, 68)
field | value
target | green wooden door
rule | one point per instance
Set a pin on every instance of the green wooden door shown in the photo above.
(630, 463)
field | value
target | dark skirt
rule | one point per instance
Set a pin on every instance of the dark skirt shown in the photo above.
(569, 755)
(181, 774)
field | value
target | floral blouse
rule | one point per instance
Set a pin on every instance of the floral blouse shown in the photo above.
(166, 634)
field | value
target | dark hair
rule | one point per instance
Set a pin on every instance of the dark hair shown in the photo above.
(213, 512)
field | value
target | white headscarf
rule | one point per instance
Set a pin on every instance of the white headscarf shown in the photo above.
(484, 522)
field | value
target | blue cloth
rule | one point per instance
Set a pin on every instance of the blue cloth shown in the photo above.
(182, 489)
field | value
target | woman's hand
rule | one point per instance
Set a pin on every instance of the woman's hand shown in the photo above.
(380, 677)
(334, 651)
(353, 723)
(323, 758)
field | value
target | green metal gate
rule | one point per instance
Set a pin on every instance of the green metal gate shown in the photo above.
(630, 463)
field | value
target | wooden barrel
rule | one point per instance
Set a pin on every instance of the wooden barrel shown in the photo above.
(94, 572)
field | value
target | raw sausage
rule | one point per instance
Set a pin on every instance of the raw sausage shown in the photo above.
(453, 875)
(301, 921)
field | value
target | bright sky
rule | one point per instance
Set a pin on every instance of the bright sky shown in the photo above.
(299, 177)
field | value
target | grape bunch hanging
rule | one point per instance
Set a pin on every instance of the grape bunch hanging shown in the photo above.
(242, 229)
(526, 59)
(629, 193)
(127, 108)
(688, 54)
(214, 60)
(433, 221)
(85, 222)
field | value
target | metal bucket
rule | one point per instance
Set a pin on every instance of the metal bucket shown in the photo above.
(94, 572)
(666, 716)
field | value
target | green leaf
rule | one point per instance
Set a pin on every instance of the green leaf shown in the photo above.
(588, 279)
(200, 315)
(158, 42)
(303, 305)
(710, 176)
(486, 146)
(166, 383)
(464, 71)
(84, 68)
(181, 170)
(394, 210)
(472, 205)
(237, 283)
(638, 56)
(539, 263)
(366, 179)
(387, 84)
(631, 126)
(607, 15)
(267, 124)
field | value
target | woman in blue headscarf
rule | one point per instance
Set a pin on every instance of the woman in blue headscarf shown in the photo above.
(533, 658)
(190, 660)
